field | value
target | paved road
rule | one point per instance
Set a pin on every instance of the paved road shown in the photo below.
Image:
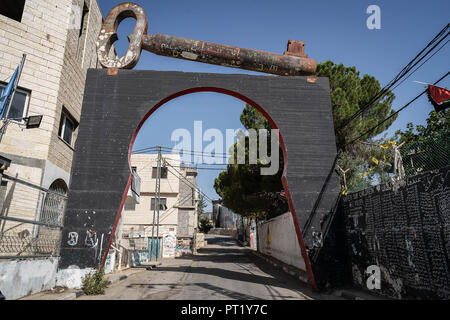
(222, 270)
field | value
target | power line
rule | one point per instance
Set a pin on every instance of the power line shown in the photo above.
(422, 63)
(398, 111)
(399, 76)
(192, 185)
(168, 149)
(187, 182)
(200, 168)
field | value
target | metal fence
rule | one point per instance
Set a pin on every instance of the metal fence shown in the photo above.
(369, 164)
(31, 219)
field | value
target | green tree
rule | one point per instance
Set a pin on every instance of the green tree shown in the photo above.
(201, 206)
(426, 147)
(204, 225)
(349, 93)
(246, 192)
(242, 187)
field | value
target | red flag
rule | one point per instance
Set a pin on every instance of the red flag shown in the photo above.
(439, 97)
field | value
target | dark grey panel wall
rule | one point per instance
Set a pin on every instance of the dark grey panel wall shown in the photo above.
(403, 229)
(114, 106)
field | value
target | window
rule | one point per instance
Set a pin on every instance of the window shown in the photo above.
(163, 172)
(162, 204)
(12, 9)
(67, 127)
(19, 104)
(54, 203)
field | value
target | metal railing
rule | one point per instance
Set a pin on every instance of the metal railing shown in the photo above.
(31, 220)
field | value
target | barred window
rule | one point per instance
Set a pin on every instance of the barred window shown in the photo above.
(162, 204)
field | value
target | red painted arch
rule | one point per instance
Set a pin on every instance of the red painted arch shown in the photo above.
(239, 96)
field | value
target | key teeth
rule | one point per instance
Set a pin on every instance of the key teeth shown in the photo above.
(296, 48)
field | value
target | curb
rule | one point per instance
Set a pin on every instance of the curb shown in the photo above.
(75, 295)
(71, 296)
(292, 271)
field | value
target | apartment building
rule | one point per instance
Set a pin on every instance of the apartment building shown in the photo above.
(177, 216)
(59, 40)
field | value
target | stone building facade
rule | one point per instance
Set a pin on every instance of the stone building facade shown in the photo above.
(178, 220)
(59, 39)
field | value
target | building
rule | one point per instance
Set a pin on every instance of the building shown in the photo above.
(177, 216)
(224, 217)
(59, 40)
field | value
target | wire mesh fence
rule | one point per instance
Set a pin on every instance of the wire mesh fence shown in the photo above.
(31, 220)
(370, 163)
(432, 154)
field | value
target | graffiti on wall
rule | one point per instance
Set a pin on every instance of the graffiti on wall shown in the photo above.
(404, 229)
(138, 258)
(169, 244)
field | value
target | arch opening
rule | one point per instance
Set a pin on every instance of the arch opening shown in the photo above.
(282, 145)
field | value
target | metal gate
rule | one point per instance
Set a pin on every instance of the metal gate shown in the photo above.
(31, 219)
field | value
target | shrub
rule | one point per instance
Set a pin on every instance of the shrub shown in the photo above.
(205, 225)
(93, 283)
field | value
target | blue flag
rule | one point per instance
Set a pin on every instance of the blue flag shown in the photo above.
(7, 93)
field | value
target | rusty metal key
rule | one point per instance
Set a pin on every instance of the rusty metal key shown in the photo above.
(292, 63)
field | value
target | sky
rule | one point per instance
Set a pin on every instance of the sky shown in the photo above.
(332, 30)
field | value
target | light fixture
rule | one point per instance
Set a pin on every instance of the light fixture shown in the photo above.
(33, 121)
(4, 163)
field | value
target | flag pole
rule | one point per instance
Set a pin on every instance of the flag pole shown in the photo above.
(16, 83)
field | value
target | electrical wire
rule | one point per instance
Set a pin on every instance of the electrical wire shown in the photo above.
(400, 75)
(398, 111)
(189, 183)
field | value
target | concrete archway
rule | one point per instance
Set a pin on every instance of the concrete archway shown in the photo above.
(115, 108)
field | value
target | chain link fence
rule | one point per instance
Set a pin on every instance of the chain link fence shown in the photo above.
(418, 157)
(31, 219)
(369, 164)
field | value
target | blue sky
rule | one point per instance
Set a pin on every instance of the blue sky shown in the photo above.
(332, 30)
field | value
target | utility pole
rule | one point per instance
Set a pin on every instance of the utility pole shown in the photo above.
(194, 240)
(157, 205)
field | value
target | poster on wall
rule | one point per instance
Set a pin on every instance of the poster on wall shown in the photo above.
(169, 243)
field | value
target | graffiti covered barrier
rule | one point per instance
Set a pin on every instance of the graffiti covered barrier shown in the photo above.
(404, 230)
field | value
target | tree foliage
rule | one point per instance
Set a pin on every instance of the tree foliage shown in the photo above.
(201, 206)
(93, 283)
(242, 187)
(245, 191)
(349, 93)
(426, 147)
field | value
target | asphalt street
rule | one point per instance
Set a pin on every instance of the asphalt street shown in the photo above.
(222, 270)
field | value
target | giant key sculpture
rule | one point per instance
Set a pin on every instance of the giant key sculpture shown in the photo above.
(292, 63)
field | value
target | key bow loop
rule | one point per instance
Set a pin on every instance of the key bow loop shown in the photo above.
(108, 35)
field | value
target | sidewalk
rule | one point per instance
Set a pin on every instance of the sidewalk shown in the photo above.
(59, 293)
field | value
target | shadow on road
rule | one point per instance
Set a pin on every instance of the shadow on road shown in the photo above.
(222, 249)
(223, 291)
